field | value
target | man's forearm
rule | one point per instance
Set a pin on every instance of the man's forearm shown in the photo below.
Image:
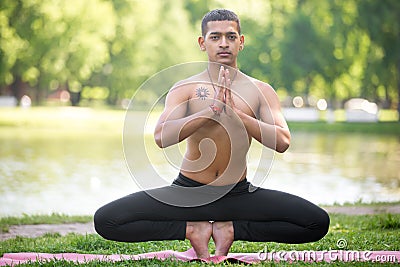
(172, 132)
(270, 135)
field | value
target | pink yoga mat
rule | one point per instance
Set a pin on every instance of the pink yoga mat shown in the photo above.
(12, 259)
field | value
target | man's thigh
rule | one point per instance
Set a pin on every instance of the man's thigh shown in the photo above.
(260, 205)
(263, 205)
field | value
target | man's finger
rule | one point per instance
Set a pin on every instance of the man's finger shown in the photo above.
(222, 88)
(220, 76)
(227, 76)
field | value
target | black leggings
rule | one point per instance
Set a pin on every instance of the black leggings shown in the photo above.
(260, 215)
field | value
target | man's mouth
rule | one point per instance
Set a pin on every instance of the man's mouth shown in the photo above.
(224, 53)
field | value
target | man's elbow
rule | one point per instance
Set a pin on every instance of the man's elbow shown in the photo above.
(162, 141)
(157, 138)
(158, 142)
(283, 143)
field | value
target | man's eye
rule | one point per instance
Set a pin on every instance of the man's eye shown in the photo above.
(232, 37)
(214, 37)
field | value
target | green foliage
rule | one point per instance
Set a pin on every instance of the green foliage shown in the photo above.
(104, 50)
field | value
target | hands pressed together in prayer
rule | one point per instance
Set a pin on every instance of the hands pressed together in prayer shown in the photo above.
(223, 100)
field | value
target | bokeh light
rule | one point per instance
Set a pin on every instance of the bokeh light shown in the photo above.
(298, 102)
(322, 104)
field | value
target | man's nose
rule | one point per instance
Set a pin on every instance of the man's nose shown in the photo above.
(223, 43)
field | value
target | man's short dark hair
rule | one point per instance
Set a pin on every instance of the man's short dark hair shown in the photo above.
(219, 15)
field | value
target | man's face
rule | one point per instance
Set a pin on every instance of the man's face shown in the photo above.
(222, 42)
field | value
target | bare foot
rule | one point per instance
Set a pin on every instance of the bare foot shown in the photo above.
(199, 234)
(222, 234)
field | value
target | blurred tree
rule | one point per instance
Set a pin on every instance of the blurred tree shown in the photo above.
(304, 54)
(380, 21)
(145, 44)
(196, 10)
(263, 35)
(102, 49)
(16, 62)
(63, 43)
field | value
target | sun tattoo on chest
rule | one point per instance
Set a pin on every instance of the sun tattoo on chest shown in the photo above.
(202, 93)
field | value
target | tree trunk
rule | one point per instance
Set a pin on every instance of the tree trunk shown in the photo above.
(18, 88)
(75, 97)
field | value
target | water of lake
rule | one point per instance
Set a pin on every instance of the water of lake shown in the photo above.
(42, 173)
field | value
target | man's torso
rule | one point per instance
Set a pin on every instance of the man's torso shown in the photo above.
(219, 148)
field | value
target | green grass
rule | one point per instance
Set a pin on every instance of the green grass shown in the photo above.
(371, 232)
(54, 218)
(384, 115)
(384, 128)
(360, 203)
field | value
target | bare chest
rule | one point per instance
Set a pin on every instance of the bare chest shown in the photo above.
(203, 96)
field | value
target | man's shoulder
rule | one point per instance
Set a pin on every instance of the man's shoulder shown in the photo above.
(263, 86)
(189, 83)
(267, 91)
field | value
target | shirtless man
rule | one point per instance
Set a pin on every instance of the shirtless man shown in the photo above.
(218, 112)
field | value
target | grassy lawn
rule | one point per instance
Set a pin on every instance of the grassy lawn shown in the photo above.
(383, 128)
(371, 232)
(54, 218)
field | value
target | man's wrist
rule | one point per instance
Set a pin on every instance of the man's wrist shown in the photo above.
(217, 110)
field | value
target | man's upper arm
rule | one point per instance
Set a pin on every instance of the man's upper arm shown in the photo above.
(270, 108)
(175, 104)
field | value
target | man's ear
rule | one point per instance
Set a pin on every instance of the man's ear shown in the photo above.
(200, 40)
(241, 46)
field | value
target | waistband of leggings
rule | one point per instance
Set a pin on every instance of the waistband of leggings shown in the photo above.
(184, 181)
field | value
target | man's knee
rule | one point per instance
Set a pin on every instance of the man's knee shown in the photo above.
(322, 223)
(102, 223)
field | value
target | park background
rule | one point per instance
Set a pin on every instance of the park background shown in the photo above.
(69, 68)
